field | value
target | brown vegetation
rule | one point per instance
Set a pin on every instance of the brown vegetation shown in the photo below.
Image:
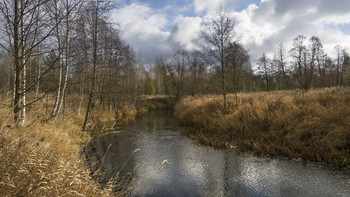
(313, 125)
(42, 158)
(154, 102)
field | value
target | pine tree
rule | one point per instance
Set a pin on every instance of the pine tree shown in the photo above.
(149, 87)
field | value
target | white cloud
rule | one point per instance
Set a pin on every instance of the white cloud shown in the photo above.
(263, 27)
(252, 32)
(186, 31)
(335, 19)
(260, 27)
(207, 5)
(142, 29)
(141, 21)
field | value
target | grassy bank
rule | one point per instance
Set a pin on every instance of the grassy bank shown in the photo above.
(104, 120)
(155, 102)
(313, 125)
(42, 158)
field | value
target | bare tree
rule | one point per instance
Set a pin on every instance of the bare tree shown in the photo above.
(316, 55)
(25, 27)
(303, 70)
(338, 51)
(238, 57)
(97, 11)
(265, 69)
(82, 47)
(345, 67)
(280, 62)
(218, 36)
(94, 24)
(197, 68)
(160, 72)
(176, 69)
(63, 9)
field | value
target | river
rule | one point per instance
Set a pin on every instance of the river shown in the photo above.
(154, 158)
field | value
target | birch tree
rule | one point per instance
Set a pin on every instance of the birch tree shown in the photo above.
(96, 10)
(64, 10)
(265, 69)
(338, 59)
(280, 62)
(218, 35)
(25, 27)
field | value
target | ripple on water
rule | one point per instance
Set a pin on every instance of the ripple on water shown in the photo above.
(194, 170)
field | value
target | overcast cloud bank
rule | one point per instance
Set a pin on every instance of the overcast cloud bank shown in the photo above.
(260, 26)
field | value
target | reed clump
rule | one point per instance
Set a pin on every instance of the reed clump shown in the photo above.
(41, 159)
(313, 125)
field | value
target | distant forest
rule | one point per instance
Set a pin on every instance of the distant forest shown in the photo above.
(62, 47)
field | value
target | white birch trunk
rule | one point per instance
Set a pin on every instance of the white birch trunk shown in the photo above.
(55, 109)
(62, 97)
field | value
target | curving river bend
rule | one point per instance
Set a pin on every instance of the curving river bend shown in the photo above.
(136, 155)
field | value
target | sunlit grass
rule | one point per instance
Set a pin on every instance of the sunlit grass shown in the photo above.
(42, 159)
(314, 125)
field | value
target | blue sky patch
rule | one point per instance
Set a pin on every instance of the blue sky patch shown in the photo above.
(345, 28)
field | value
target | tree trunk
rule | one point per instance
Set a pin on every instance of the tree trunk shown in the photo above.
(24, 72)
(224, 93)
(38, 75)
(338, 66)
(235, 81)
(267, 81)
(81, 93)
(24, 83)
(17, 68)
(58, 95)
(62, 97)
(90, 102)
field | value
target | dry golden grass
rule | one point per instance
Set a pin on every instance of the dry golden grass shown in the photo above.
(42, 159)
(159, 96)
(104, 120)
(313, 125)
(155, 102)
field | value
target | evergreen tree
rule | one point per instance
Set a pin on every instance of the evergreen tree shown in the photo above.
(149, 87)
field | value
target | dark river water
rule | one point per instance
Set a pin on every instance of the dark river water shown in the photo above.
(154, 158)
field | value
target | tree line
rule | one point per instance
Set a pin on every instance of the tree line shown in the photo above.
(71, 47)
(309, 66)
(223, 65)
(63, 47)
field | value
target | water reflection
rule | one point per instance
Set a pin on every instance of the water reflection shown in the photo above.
(194, 170)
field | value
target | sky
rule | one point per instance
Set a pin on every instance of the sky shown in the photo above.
(161, 27)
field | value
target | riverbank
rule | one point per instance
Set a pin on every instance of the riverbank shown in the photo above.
(313, 125)
(42, 158)
(155, 102)
(104, 120)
